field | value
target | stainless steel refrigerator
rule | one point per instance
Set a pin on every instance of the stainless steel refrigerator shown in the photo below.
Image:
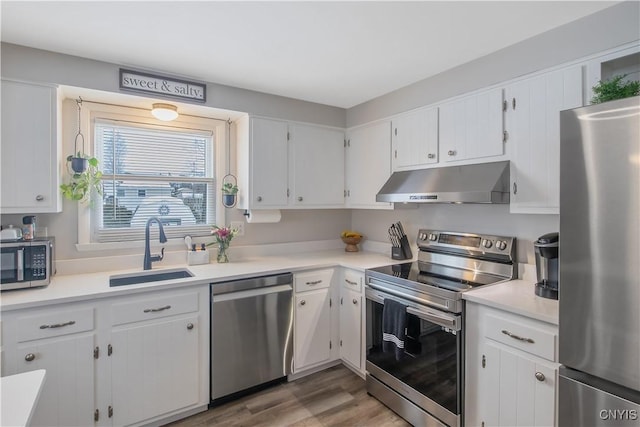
(599, 268)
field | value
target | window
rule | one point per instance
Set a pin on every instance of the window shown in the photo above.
(153, 171)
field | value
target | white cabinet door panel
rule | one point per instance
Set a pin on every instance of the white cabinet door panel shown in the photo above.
(312, 330)
(269, 160)
(368, 165)
(351, 326)
(317, 165)
(415, 139)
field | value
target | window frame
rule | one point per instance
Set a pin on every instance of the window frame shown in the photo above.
(92, 111)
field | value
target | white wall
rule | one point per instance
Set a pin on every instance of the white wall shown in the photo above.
(612, 27)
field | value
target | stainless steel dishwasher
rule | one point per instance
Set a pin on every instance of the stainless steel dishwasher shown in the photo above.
(251, 334)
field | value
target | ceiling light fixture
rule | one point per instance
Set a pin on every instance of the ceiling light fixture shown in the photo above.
(164, 112)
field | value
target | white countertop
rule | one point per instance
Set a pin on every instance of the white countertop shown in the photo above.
(78, 287)
(516, 296)
(20, 395)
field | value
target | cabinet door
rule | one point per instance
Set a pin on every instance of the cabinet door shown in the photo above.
(517, 390)
(68, 396)
(472, 127)
(533, 123)
(351, 327)
(155, 369)
(312, 330)
(415, 139)
(30, 152)
(269, 175)
(317, 165)
(368, 165)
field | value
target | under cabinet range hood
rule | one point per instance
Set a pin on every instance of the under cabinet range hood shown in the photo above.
(477, 183)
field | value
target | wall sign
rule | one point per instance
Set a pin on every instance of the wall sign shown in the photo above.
(161, 85)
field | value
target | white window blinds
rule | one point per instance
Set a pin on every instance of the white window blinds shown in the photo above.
(153, 171)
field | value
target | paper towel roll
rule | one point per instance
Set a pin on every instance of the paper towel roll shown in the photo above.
(264, 216)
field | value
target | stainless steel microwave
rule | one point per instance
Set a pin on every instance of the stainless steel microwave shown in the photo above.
(26, 263)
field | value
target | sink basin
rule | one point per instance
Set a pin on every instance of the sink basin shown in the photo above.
(148, 276)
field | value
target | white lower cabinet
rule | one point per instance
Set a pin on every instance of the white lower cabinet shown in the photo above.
(313, 319)
(511, 369)
(61, 341)
(111, 363)
(155, 358)
(352, 319)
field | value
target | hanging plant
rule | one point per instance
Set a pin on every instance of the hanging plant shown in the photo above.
(83, 169)
(82, 184)
(614, 88)
(229, 191)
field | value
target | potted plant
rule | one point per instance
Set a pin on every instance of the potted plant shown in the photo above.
(229, 191)
(82, 184)
(614, 88)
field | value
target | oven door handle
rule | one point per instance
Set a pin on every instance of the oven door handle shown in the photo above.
(437, 317)
(374, 284)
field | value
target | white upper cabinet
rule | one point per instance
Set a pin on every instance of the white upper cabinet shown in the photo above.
(472, 127)
(286, 165)
(415, 139)
(31, 151)
(533, 123)
(262, 163)
(368, 165)
(317, 166)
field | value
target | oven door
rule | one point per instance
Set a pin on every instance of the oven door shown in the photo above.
(430, 373)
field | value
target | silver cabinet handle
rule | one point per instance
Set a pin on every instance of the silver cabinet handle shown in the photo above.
(39, 198)
(303, 302)
(451, 152)
(540, 376)
(259, 198)
(355, 301)
(431, 156)
(516, 337)
(189, 326)
(30, 357)
(351, 282)
(58, 325)
(153, 310)
(315, 282)
(515, 188)
(300, 198)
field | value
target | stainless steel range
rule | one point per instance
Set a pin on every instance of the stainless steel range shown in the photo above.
(424, 386)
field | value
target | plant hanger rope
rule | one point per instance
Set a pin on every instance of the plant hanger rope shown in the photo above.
(79, 134)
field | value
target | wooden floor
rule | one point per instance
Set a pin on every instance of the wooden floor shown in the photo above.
(334, 397)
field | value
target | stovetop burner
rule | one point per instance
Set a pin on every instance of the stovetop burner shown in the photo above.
(411, 271)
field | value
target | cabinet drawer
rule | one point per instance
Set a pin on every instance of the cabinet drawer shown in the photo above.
(352, 280)
(317, 279)
(54, 323)
(532, 338)
(154, 308)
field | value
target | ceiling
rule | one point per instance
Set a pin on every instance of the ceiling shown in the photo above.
(334, 53)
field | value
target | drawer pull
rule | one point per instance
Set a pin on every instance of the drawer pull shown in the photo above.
(303, 302)
(315, 282)
(189, 326)
(30, 357)
(540, 376)
(355, 301)
(58, 325)
(516, 337)
(351, 282)
(153, 310)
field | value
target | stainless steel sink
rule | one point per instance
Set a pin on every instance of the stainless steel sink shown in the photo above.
(149, 276)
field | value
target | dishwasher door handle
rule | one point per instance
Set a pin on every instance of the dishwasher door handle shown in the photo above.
(251, 293)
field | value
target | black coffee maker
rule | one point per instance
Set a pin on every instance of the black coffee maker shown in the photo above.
(546, 248)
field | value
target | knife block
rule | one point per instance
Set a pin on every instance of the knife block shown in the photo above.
(403, 251)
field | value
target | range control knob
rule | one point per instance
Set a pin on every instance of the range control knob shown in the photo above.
(432, 237)
(487, 243)
(422, 236)
(501, 244)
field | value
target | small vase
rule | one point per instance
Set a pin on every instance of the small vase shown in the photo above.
(222, 252)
